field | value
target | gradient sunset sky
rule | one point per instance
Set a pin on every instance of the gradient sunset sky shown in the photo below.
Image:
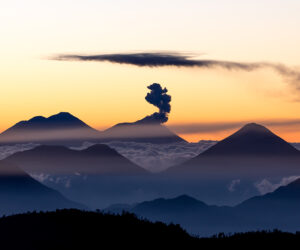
(103, 94)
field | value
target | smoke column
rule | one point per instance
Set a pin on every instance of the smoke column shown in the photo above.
(159, 98)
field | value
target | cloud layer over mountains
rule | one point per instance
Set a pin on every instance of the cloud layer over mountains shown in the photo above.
(154, 157)
(157, 157)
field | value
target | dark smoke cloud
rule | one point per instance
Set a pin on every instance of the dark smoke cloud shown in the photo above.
(159, 98)
(158, 59)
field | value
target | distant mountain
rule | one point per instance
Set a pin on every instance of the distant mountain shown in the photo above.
(62, 128)
(142, 131)
(276, 210)
(251, 151)
(252, 140)
(96, 176)
(180, 204)
(279, 209)
(285, 199)
(193, 215)
(66, 129)
(98, 159)
(21, 193)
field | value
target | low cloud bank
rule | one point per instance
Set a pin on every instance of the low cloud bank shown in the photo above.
(157, 157)
(6, 151)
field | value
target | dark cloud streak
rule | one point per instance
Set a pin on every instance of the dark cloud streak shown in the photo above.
(160, 59)
(195, 128)
(157, 59)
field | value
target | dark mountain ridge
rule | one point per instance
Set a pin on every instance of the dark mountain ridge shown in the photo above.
(279, 209)
(96, 160)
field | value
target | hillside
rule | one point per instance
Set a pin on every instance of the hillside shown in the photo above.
(97, 160)
(21, 193)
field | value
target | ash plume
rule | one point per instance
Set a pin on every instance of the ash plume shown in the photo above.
(159, 98)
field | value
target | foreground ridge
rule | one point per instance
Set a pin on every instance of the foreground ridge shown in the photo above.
(75, 229)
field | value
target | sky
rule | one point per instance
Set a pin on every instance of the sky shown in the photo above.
(103, 93)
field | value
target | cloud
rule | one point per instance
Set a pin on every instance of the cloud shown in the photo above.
(157, 157)
(48, 179)
(157, 59)
(265, 186)
(233, 184)
(212, 127)
(159, 98)
(161, 59)
(6, 151)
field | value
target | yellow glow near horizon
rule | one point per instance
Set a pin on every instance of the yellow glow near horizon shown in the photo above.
(103, 94)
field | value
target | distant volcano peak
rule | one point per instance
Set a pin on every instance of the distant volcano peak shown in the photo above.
(61, 128)
(144, 130)
(37, 119)
(61, 119)
(252, 139)
(63, 116)
(254, 127)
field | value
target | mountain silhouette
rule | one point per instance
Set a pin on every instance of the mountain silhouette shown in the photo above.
(96, 176)
(285, 198)
(66, 129)
(251, 151)
(181, 204)
(276, 210)
(21, 193)
(252, 139)
(193, 215)
(73, 229)
(98, 159)
(142, 131)
(62, 128)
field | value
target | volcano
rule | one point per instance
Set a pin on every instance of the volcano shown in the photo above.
(66, 129)
(252, 140)
(142, 131)
(62, 128)
(251, 151)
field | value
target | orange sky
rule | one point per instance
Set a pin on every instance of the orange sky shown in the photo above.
(103, 94)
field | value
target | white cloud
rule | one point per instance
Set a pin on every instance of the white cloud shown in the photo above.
(6, 151)
(153, 157)
(265, 186)
(233, 184)
(157, 157)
